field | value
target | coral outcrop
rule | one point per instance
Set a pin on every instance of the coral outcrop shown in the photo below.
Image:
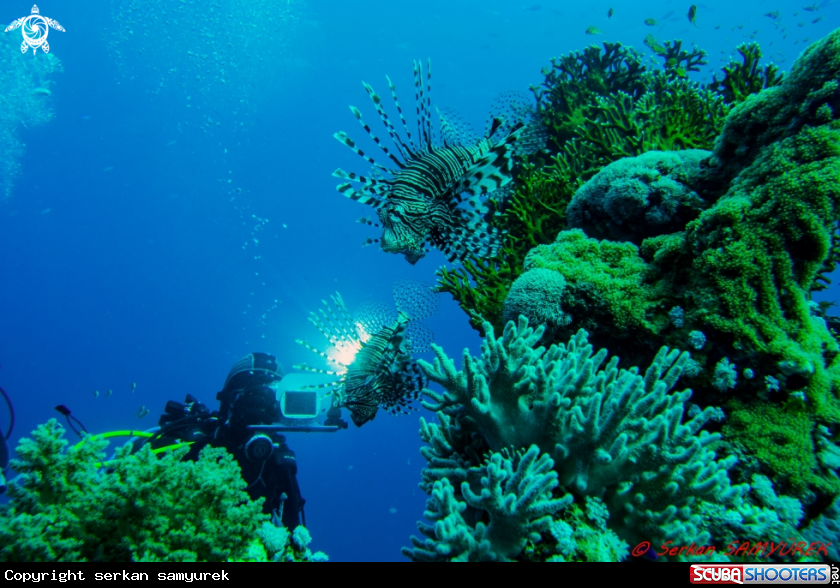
(612, 434)
(639, 197)
(65, 507)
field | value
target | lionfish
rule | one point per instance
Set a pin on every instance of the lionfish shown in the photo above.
(422, 203)
(370, 353)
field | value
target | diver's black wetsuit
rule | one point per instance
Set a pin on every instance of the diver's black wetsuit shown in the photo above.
(275, 479)
(247, 399)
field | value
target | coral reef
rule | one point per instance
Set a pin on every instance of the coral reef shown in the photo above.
(599, 106)
(639, 197)
(826, 529)
(716, 250)
(605, 285)
(515, 494)
(65, 508)
(538, 294)
(743, 79)
(612, 434)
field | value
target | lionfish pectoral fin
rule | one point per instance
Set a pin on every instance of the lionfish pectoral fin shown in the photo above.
(494, 169)
(494, 126)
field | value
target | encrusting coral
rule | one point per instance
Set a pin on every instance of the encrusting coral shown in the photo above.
(65, 507)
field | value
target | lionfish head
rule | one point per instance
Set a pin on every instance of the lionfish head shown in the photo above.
(398, 236)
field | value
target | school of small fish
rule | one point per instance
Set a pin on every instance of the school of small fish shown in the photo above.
(774, 15)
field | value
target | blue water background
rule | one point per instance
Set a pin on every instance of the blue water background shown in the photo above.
(128, 253)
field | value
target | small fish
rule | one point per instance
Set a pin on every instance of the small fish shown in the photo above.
(692, 15)
(610, 12)
(594, 31)
(108, 393)
(717, 27)
(133, 387)
(813, 8)
(96, 393)
(651, 22)
(534, 8)
(142, 412)
(774, 15)
(818, 19)
(800, 24)
(654, 45)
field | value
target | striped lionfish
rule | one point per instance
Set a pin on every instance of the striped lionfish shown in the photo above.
(423, 203)
(370, 351)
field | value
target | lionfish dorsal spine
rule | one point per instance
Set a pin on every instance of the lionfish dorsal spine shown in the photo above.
(363, 195)
(371, 185)
(423, 105)
(383, 116)
(413, 149)
(342, 137)
(358, 114)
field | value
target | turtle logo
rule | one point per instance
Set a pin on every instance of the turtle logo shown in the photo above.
(35, 29)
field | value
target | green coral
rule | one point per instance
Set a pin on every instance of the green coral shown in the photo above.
(672, 114)
(573, 81)
(534, 214)
(598, 106)
(604, 280)
(515, 494)
(613, 433)
(638, 197)
(783, 439)
(743, 79)
(65, 508)
(677, 62)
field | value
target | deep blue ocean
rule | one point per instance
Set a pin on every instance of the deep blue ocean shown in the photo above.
(178, 211)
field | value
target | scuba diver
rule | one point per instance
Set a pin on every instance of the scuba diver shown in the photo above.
(256, 405)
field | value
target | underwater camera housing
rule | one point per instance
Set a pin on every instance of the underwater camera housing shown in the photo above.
(304, 407)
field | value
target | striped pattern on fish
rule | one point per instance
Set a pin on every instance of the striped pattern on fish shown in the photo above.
(422, 203)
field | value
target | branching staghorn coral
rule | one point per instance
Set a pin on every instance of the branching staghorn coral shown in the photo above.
(515, 492)
(742, 79)
(613, 433)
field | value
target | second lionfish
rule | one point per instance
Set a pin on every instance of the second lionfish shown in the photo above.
(423, 201)
(370, 351)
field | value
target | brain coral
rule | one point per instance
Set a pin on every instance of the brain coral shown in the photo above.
(538, 294)
(639, 197)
